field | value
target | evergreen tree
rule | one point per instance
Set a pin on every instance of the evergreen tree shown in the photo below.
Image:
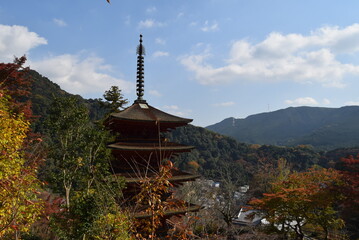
(114, 99)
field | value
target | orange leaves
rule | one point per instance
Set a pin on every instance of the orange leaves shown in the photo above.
(350, 160)
(155, 201)
(15, 82)
(351, 177)
(303, 198)
(194, 165)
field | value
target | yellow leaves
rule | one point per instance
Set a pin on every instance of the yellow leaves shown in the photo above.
(19, 206)
(112, 226)
(80, 162)
(13, 131)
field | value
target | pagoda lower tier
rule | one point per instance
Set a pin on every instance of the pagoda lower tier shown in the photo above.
(143, 156)
(133, 180)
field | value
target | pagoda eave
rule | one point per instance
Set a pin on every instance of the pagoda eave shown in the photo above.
(174, 179)
(144, 113)
(170, 212)
(124, 123)
(135, 147)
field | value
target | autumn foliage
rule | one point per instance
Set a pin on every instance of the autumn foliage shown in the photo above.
(19, 205)
(15, 82)
(351, 176)
(19, 202)
(155, 199)
(304, 202)
(350, 206)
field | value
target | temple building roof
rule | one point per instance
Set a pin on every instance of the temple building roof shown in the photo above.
(150, 146)
(145, 113)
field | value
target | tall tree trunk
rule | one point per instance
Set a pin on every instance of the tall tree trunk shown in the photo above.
(67, 190)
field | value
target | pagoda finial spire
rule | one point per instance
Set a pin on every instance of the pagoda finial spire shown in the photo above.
(140, 72)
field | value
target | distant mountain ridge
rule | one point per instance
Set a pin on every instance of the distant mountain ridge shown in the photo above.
(323, 128)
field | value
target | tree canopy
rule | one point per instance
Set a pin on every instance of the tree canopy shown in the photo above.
(303, 201)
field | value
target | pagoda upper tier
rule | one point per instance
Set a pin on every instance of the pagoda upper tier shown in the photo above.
(142, 115)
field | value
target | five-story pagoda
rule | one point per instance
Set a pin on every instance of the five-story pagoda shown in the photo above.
(140, 149)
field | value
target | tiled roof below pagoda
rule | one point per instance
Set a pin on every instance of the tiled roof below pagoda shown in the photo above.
(177, 176)
(186, 207)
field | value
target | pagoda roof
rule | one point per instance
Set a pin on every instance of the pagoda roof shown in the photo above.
(143, 112)
(131, 146)
(177, 176)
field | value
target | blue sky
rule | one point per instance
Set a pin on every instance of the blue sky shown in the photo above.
(205, 59)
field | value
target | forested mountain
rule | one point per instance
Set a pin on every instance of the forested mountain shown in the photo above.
(216, 155)
(322, 128)
(43, 92)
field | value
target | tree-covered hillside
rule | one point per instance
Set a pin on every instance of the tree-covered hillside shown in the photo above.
(323, 128)
(44, 91)
(214, 154)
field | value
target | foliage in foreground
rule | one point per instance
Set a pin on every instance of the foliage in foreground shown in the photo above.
(19, 203)
(91, 216)
(77, 168)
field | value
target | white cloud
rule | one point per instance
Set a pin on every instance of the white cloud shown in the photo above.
(210, 27)
(180, 14)
(174, 109)
(224, 104)
(304, 101)
(171, 107)
(352, 103)
(59, 22)
(155, 93)
(17, 41)
(79, 74)
(160, 41)
(160, 54)
(151, 9)
(292, 57)
(326, 101)
(128, 20)
(76, 74)
(150, 23)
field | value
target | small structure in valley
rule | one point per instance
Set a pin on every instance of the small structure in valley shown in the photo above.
(248, 217)
(140, 150)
